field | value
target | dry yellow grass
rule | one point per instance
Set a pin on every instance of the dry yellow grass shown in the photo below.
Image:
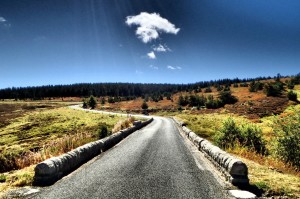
(17, 178)
(272, 181)
(38, 135)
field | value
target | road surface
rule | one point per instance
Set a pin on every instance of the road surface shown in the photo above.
(153, 162)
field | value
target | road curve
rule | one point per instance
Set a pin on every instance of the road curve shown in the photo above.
(153, 162)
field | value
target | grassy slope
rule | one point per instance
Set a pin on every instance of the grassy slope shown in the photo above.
(40, 134)
(38, 128)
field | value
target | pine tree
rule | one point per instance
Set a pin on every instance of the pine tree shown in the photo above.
(144, 105)
(92, 102)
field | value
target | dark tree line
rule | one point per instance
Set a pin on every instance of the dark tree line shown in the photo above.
(125, 90)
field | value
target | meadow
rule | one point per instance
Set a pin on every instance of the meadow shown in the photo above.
(34, 131)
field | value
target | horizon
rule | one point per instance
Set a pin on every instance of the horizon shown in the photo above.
(170, 42)
(255, 78)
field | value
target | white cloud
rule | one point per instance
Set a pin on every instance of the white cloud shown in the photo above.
(174, 67)
(151, 55)
(161, 48)
(2, 19)
(4, 25)
(153, 67)
(138, 72)
(150, 26)
(171, 67)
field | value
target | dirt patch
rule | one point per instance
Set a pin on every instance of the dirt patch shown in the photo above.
(11, 111)
(255, 109)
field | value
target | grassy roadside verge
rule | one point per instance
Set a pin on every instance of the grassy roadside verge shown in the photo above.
(267, 172)
(37, 135)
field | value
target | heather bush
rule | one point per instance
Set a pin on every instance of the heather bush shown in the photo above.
(246, 135)
(287, 137)
(292, 96)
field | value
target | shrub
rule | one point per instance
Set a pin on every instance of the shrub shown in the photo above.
(102, 132)
(296, 79)
(227, 98)
(273, 89)
(256, 86)
(183, 101)
(102, 100)
(212, 103)
(2, 178)
(243, 84)
(252, 87)
(287, 142)
(292, 96)
(84, 105)
(92, 102)
(208, 90)
(251, 136)
(219, 87)
(228, 134)
(290, 85)
(7, 161)
(227, 88)
(144, 105)
(247, 135)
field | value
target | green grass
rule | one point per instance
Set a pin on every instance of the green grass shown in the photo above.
(205, 125)
(35, 136)
(46, 128)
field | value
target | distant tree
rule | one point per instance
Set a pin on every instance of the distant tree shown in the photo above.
(84, 105)
(277, 77)
(219, 87)
(255, 86)
(169, 96)
(144, 105)
(208, 90)
(102, 100)
(243, 84)
(227, 98)
(227, 88)
(259, 85)
(111, 100)
(296, 80)
(292, 96)
(290, 84)
(183, 101)
(92, 102)
(198, 90)
(252, 87)
(213, 104)
(273, 89)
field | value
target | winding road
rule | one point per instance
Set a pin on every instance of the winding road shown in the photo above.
(154, 162)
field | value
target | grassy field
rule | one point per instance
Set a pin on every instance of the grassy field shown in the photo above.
(42, 130)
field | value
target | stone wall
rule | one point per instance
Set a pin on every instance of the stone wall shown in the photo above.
(234, 169)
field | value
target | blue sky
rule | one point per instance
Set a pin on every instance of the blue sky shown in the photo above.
(171, 41)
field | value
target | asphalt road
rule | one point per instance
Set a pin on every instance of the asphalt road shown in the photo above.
(153, 162)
